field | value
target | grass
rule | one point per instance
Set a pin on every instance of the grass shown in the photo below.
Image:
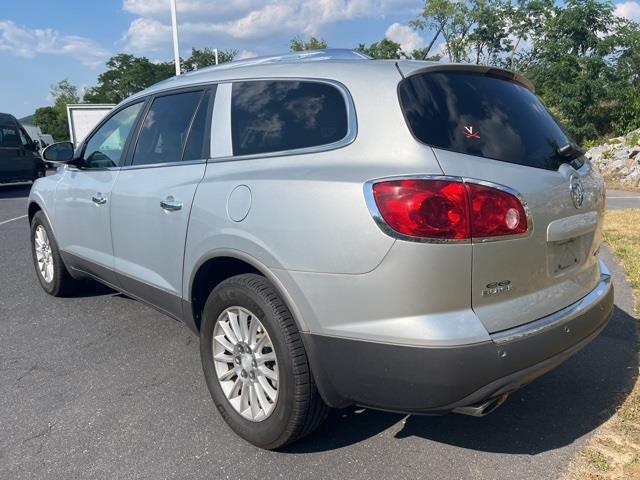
(614, 450)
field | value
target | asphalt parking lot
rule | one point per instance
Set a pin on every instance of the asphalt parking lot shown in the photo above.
(101, 386)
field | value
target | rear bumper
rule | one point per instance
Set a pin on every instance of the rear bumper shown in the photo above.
(415, 379)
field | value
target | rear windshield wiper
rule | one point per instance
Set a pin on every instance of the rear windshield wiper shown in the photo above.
(570, 151)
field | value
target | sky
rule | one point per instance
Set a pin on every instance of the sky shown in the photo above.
(43, 42)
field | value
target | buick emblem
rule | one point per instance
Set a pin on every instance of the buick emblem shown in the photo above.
(577, 191)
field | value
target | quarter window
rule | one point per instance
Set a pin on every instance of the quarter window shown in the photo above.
(278, 115)
(165, 128)
(105, 147)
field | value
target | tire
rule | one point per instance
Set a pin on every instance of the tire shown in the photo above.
(298, 408)
(40, 172)
(60, 283)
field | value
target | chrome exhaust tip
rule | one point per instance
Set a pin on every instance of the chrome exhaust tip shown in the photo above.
(483, 408)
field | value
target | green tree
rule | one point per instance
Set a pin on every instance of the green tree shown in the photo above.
(126, 75)
(297, 44)
(577, 65)
(53, 120)
(206, 57)
(385, 48)
(50, 122)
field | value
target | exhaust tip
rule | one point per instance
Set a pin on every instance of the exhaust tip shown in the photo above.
(483, 408)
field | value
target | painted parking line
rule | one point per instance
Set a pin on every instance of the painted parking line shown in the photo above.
(626, 198)
(13, 219)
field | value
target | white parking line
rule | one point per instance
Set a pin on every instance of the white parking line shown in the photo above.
(627, 198)
(13, 219)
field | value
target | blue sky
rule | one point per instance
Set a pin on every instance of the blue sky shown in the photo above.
(44, 41)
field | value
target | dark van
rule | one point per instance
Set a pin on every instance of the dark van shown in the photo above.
(19, 158)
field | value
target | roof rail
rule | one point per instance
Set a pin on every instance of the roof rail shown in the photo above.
(293, 57)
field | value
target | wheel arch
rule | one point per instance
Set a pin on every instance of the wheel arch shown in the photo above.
(216, 267)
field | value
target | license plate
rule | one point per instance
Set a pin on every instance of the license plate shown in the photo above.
(565, 255)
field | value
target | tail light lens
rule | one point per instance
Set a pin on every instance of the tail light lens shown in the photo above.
(424, 208)
(448, 209)
(494, 212)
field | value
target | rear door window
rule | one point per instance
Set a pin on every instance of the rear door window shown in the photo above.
(281, 115)
(481, 115)
(165, 128)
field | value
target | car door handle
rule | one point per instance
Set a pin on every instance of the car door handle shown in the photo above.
(98, 199)
(170, 204)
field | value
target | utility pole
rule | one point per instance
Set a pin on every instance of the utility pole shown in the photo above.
(176, 48)
(215, 51)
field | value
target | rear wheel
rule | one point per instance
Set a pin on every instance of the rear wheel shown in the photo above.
(50, 269)
(255, 364)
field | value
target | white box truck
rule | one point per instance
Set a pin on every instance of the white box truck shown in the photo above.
(83, 117)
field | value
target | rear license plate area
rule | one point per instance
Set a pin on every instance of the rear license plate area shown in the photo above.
(565, 255)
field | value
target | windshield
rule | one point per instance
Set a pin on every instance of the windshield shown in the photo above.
(482, 115)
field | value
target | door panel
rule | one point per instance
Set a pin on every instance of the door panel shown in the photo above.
(148, 240)
(82, 219)
(12, 154)
(83, 196)
(152, 198)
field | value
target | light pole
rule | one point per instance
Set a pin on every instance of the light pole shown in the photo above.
(174, 25)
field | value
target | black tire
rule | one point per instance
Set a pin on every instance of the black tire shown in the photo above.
(299, 409)
(40, 172)
(62, 283)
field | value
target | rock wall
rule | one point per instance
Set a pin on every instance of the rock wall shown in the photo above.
(619, 158)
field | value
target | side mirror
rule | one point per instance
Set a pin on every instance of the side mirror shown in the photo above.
(61, 152)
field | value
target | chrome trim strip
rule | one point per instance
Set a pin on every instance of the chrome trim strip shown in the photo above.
(160, 165)
(352, 123)
(560, 317)
(384, 226)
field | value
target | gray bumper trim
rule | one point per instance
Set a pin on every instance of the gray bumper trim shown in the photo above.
(558, 318)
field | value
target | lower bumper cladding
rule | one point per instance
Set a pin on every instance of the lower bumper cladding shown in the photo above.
(469, 379)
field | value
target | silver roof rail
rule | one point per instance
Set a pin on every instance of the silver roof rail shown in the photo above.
(293, 57)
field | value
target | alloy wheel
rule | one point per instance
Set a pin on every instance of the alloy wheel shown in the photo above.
(44, 256)
(245, 363)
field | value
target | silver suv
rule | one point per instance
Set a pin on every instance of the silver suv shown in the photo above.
(408, 236)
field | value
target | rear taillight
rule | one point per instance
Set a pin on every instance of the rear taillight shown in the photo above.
(494, 212)
(424, 208)
(448, 209)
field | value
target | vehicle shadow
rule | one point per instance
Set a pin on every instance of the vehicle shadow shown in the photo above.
(90, 288)
(15, 190)
(552, 412)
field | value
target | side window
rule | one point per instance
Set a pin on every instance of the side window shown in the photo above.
(9, 137)
(277, 115)
(24, 138)
(106, 145)
(165, 128)
(195, 149)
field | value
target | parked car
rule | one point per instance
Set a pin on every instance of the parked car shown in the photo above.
(19, 157)
(408, 236)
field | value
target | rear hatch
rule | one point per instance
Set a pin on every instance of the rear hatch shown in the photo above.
(486, 124)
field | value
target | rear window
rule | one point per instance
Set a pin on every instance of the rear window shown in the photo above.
(278, 115)
(482, 115)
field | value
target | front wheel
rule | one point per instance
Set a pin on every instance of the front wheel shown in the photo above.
(50, 269)
(255, 364)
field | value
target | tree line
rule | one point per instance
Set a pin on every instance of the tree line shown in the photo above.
(583, 60)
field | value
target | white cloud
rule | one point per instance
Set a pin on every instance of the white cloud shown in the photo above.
(246, 19)
(26, 42)
(408, 38)
(629, 10)
(245, 54)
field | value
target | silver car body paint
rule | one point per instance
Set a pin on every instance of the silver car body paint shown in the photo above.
(303, 221)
